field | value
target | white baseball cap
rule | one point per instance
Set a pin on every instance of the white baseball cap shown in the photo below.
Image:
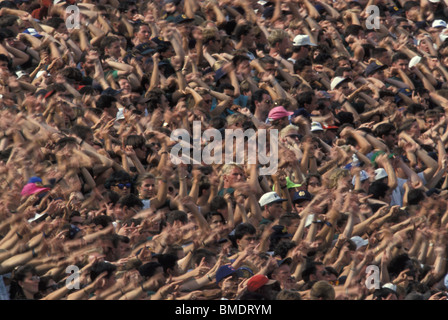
(270, 197)
(380, 173)
(434, 1)
(303, 40)
(414, 61)
(443, 35)
(316, 126)
(439, 23)
(337, 81)
(360, 242)
(363, 175)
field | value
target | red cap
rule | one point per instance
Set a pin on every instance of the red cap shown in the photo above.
(257, 281)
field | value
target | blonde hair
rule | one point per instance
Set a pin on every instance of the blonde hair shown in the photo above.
(277, 35)
(335, 175)
(286, 129)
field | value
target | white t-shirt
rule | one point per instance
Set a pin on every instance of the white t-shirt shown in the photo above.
(397, 194)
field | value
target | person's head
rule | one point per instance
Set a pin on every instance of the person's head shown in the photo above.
(146, 186)
(261, 284)
(411, 127)
(202, 255)
(228, 279)
(400, 61)
(142, 33)
(85, 133)
(104, 267)
(119, 182)
(283, 273)
(291, 221)
(279, 41)
(232, 173)
(57, 23)
(138, 144)
(107, 103)
(380, 191)
(382, 55)
(388, 133)
(322, 290)
(262, 102)
(152, 269)
(169, 264)
(215, 219)
(313, 183)
(307, 100)
(25, 283)
(244, 34)
(304, 68)
(111, 46)
(287, 294)
(412, 9)
(314, 271)
(245, 235)
(432, 117)
(271, 204)
(177, 218)
(384, 294)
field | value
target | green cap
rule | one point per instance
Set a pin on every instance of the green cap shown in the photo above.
(290, 184)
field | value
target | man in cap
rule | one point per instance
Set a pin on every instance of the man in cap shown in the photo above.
(228, 278)
(301, 199)
(301, 47)
(261, 284)
(279, 117)
(271, 203)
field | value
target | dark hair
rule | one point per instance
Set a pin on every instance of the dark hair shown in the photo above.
(129, 201)
(218, 202)
(378, 189)
(384, 129)
(148, 270)
(382, 293)
(244, 228)
(100, 267)
(168, 261)
(19, 274)
(135, 140)
(415, 196)
(81, 131)
(305, 98)
(200, 254)
(177, 215)
(116, 177)
(104, 102)
(310, 269)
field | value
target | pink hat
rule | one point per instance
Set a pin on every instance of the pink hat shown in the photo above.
(278, 113)
(31, 188)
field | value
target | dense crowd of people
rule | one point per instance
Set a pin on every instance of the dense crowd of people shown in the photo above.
(94, 205)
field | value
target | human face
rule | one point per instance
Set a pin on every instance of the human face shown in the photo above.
(265, 104)
(248, 240)
(275, 210)
(229, 287)
(123, 188)
(123, 249)
(143, 33)
(283, 275)
(216, 221)
(308, 74)
(402, 64)
(114, 49)
(30, 284)
(125, 85)
(313, 185)
(147, 189)
(431, 121)
(414, 131)
(235, 175)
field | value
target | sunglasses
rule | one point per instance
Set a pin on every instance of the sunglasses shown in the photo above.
(122, 185)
